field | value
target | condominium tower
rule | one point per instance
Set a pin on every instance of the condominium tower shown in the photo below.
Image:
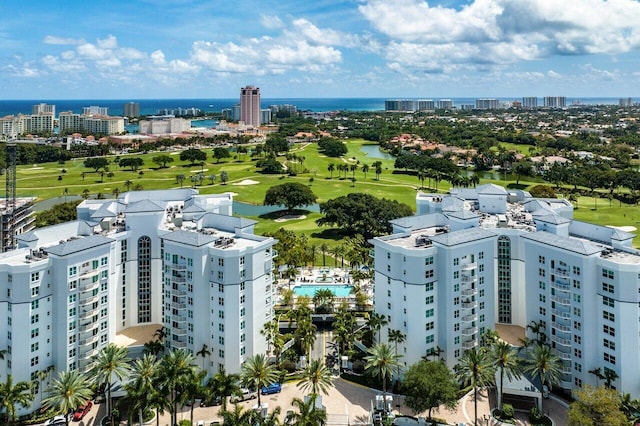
(129, 266)
(484, 256)
(250, 105)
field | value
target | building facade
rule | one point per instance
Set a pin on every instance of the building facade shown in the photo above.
(555, 101)
(479, 257)
(530, 102)
(150, 258)
(131, 109)
(250, 105)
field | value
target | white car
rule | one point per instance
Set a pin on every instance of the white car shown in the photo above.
(243, 395)
(56, 421)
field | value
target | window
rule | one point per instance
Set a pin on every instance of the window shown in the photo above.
(221, 327)
(542, 298)
(456, 262)
(607, 301)
(242, 298)
(428, 260)
(221, 314)
(577, 339)
(542, 311)
(576, 284)
(607, 287)
(481, 255)
(242, 286)
(242, 325)
(35, 304)
(608, 274)
(35, 361)
(577, 312)
(144, 279)
(429, 273)
(481, 318)
(577, 325)
(541, 260)
(429, 339)
(35, 276)
(456, 326)
(220, 275)
(72, 339)
(608, 316)
(103, 261)
(221, 353)
(456, 287)
(220, 261)
(35, 318)
(429, 325)
(73, 270)
(456, 340)
(429, 313)
(609, 344)
(609, 358)
(35, 332)
(481, 268)
(221, 340)
(221, 301)
(429, 300)
(456, 275)
(72, 312)
(577, 367)
(34, 347)
(609, 330)
(456, 314)
(541, 272)
(35, 291)
(576, 298)
(577, 353)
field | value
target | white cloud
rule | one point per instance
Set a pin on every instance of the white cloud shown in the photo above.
(22, 69)
(309, 31)
(271, 22)
(498, 32)
(49, 39)
(108, 43)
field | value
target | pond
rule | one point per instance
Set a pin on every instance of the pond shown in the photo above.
(373, 151)
(246, 209)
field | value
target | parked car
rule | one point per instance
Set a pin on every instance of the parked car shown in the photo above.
(56, 421)
(243, 395)
(82, 411)
(272, 388)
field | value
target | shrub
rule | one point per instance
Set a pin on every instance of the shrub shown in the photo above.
(184, 422)
(289, 365)
(358, 367)
(534, 415)
(543, 191)
(507, 410)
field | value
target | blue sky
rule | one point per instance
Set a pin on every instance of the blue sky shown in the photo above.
(53, 49)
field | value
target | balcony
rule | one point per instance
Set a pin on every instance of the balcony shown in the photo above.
(88, 354)
(88, 327)
(178, 331)
(89, 285)
(178, 279)
(561, 300)
(561, 341)
(562, 286)
(561, 314)
(562, 355)
(467, 279)
(468, 345)
(470, 292)
(470, 318)
(178, 266)
(274, 253)
(88, 273)
(86, 313)
(561, 327)
(178, 305)
(469, 305)
(179, 318)
(469, 331)
(178, 344)
(89, 340)
(89, 299)
(564, 273)
(565, 369)
(469, 266)
(178, 293)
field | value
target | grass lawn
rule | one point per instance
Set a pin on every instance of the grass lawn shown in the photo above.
(42, 181)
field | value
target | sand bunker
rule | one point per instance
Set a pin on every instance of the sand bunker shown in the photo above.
(290, 217)
(247, 182)
(624, 228)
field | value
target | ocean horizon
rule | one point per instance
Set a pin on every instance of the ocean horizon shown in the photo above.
(151, 106)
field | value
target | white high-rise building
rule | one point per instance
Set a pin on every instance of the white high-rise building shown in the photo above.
(43, 108)
(555, 101)
(445, 104)
(128, 267)
(95, 110)
(530, 102)
(479, 257)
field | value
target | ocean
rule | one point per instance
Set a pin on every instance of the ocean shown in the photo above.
(151, 106)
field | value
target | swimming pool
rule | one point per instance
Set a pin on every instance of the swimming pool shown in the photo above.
(310, 290)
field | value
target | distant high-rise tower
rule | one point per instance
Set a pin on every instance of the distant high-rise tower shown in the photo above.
(250, 105)
(530, 102)
(131, 109)
(43, 109)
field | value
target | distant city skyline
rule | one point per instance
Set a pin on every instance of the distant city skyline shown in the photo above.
(328, 48)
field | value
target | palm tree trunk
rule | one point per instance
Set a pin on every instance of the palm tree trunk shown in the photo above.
(475, 405)
(140, 414)
(157, 417)
(501, 382)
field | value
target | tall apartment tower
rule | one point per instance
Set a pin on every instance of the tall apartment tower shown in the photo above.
(555, 101)
(43, 109)
(530, 102)
(131, 109)
(250, 105)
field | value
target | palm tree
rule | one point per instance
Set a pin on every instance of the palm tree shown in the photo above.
(475, 368)
(365, 170)
(160, 334)
(331, 167)
(324, 248)
(192, 388)
(256, 372)
(67, 392)
(397, 336)
(545, 365)
(111, 361)
(598, 373)
(272, 419)
(14, 394)
(315, 378)
(307, 415)
(158, 401)
(239, 416)
(143, 374)
(223, 385)
(41, 376)
(505, 358)
(204, 352)
(173, 367)
(380, 363)
(376, 322)
(153, 347)
(609, 376)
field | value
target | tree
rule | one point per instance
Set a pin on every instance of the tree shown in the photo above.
(14, 394)
(270, 166)
(332, 147)
(239, 416)
(307, 415)
(224, 177)
(365, 170)
(505, 357)
(220, 153)
(323, 300)
(96, 163)
(315, 378)
(223, 385)
(174, 366)
(475, 368)
(258, 373)
(133, 163)
(128, 183)
(291, 195)
(180, 179)
(111, 361)
(609, 377)
(142, 386)
(363, 214)
(396, 336)
(162, 160)
(193, 156)
(331, 168)
(67, 392)
(596, 406)
(381, 362)
(204, 352)
(376, 322)
(545, 365)
(429, 384)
